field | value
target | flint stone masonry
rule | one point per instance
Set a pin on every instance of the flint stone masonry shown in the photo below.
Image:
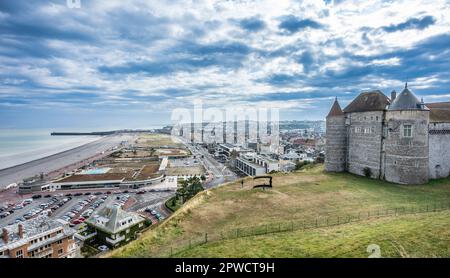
(368, 135)
(439, 141)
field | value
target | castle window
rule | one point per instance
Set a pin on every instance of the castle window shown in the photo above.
(407, 130)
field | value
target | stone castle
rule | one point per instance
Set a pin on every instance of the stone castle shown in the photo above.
(398, 139)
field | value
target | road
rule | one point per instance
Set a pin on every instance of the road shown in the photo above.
(220, 172)
(59, 161)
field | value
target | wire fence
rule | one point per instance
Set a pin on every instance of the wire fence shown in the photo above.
(296, 225)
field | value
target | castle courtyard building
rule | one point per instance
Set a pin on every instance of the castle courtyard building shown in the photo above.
(399, 139)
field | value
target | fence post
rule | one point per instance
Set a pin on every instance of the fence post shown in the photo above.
(171, 252)
(359, 215)
(206, 237)
(190, 244)
(339, 220)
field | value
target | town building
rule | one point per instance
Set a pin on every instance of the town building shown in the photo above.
(294, 156)
(38, 238)
(399, 139)
(113, 226)
(252, 164)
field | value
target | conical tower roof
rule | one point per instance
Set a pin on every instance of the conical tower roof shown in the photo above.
(407, 100)
(335, 110)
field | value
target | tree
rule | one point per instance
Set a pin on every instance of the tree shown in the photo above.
(301, 164)
(203, 178)
(189, 188)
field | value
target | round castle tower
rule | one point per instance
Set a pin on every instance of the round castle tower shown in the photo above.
(406, 143)
(335, 153)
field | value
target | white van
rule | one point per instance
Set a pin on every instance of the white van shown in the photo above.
(27, 201)
(46, 212)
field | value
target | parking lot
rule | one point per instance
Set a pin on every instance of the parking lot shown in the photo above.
(76, 207)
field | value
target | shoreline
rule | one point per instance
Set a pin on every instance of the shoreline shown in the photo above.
(61, 152)
(60, 161)
(41, 153)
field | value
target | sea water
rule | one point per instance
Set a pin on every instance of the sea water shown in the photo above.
(19, 146)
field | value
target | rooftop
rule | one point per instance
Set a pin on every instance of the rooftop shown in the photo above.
(113, 219)
(31, 228)
(368, 101)
(407, 100)
(335, 110)
(439, 112)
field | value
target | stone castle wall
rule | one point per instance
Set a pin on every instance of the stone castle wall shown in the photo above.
(439, 150)
(335, 144)
(407, 159)
(364, 142)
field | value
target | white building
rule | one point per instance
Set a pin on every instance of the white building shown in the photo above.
(253, 165)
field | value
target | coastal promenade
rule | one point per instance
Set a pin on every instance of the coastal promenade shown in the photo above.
(58, 163)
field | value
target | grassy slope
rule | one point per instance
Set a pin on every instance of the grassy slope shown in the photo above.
(420, 235)
(303, 195)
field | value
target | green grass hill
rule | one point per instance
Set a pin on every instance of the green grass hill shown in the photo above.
(309, 213)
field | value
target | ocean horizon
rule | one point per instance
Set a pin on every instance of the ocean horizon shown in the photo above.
(18, 146)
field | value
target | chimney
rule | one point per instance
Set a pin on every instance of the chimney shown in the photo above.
(393, 95)
(5, 235)
(20, 230)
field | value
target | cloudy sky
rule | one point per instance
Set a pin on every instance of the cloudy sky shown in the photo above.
(115, 63)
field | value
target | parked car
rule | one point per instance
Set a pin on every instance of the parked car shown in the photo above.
(68, 195)
(4, 214)
(87, 193)
(108, 192)
(18, 207)
(98, 193)
(76, 221)
(140, 192)
(78, 194)
(47, 196)
(27, 201)
(37, 196)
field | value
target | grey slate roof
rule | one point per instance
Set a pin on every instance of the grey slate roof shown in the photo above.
(368, 101)
(111, 217)
(406, 100)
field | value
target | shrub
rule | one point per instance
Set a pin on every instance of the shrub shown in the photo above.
(367, 172)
